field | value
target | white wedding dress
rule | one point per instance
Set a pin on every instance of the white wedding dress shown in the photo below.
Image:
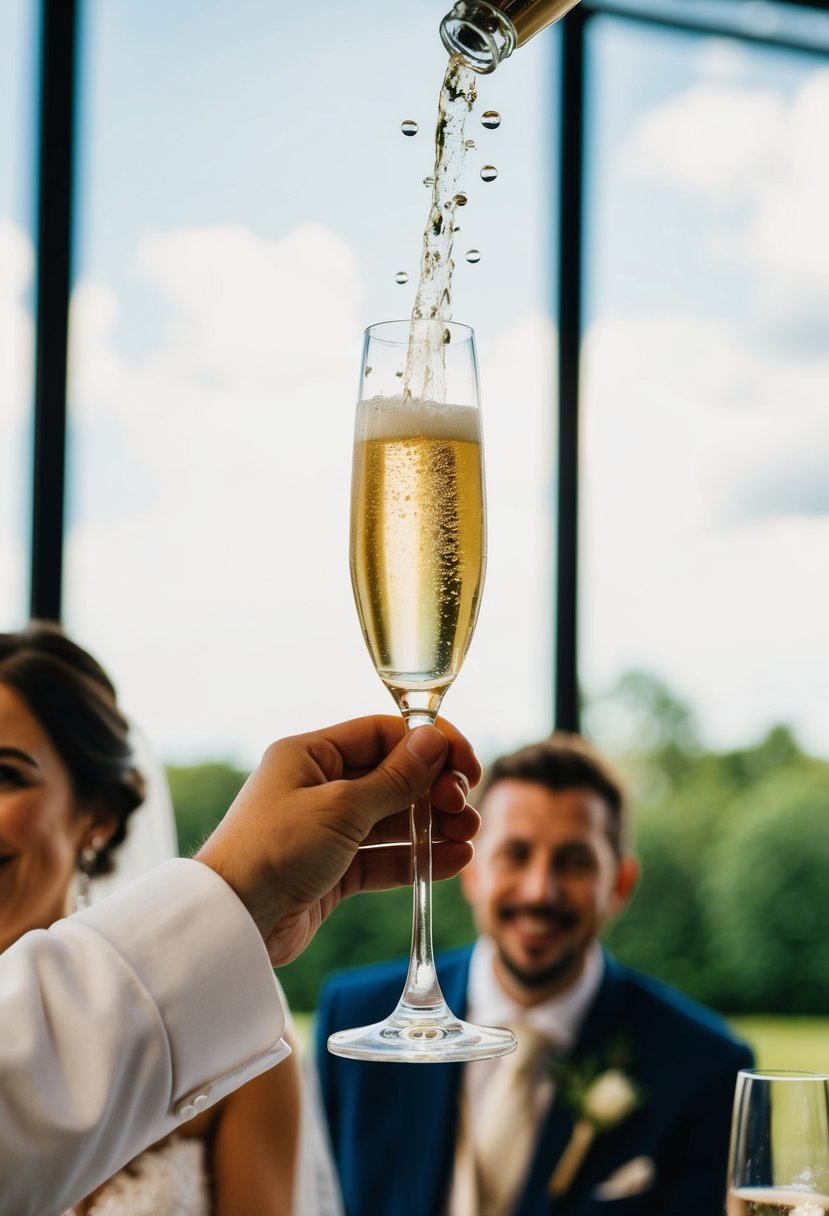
(169, 1181)
(173, 1180)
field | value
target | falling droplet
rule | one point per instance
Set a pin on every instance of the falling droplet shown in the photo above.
(456, 228)
(447, 337)
(489, 173)
(369, 370)
(408, 126)
(460, 199)
(491, 119)
(473, 255)
(429, 181)
(399, 375)
(401, 277)
(469, 144)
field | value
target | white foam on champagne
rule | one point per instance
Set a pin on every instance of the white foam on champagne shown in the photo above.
(403, 418)
(786, 1200)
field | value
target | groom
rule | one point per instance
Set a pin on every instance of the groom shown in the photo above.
(618, 1097)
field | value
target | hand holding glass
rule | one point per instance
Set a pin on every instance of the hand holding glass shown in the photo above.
(418, 554)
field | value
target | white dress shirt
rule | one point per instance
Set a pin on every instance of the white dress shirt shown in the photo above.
(119, 1024)
(559, 1019)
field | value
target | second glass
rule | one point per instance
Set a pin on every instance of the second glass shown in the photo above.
(779, 1157)
(418, 555)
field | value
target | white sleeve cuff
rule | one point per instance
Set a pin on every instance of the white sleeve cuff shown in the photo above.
(191, 943)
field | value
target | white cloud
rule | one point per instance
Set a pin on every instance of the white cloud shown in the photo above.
(16, 383)
(13, 588)
(95, 373)
(718, 139)
(255, 310)
(503, 696)
(238, 426)
(789, 231)
(762, 161)
(16, 327)
(722, 59)
(704, 546)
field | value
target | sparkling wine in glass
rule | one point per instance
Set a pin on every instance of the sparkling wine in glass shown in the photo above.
(418, 554)
(779, 1156)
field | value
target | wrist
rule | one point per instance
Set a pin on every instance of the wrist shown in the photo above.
(246, 885)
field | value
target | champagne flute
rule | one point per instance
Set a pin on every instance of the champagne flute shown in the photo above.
(418, 552)
(779, 1155)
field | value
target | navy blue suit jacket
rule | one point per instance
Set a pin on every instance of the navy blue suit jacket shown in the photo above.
(393, 1126)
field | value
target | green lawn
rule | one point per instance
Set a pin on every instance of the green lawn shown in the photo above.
(305, 1029)
(801, 1043)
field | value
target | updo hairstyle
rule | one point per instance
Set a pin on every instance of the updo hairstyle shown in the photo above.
(74, 700)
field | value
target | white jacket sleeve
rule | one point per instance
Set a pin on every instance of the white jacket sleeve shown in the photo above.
(121, 1022)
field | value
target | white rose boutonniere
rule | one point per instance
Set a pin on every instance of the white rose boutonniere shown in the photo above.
(610, 1098)
(599, 1102)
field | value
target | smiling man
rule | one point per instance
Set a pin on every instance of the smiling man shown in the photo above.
(618, 1097)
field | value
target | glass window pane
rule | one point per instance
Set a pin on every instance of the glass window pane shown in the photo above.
(17, 157)
(246, 201)
(706, 510)
(706, 516)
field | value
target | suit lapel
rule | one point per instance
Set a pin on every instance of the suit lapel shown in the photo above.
(558, 1126)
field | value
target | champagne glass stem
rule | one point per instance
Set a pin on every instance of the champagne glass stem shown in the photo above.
(422, 990)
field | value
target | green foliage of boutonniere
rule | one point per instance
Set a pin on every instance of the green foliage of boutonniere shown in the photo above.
(601, 1094)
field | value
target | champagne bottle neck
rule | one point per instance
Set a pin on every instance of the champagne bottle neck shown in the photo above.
(479, 34)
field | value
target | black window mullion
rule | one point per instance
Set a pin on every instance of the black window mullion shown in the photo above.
(54, 232)
(570, 247)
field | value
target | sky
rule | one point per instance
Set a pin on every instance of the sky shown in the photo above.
(246, 199)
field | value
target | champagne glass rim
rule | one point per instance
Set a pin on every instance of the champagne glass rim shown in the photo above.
(782, 1074)
(382, 331)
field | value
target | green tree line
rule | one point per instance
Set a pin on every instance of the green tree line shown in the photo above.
(733, 905)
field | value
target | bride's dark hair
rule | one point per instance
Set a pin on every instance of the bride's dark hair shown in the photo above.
(74, 699)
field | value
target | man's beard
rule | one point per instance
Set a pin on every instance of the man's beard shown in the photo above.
(547, 976)
(560, 968)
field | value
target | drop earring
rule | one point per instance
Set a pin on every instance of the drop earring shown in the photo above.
(86, 868)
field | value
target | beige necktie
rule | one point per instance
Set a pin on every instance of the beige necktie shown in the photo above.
(506, 1125)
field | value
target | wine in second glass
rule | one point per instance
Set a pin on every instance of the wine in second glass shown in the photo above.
(418, 555)
(779, 1154)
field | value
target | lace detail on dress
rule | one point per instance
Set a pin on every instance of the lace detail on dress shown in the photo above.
(168, 1181)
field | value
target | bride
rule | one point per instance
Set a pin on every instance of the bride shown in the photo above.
(77, 813)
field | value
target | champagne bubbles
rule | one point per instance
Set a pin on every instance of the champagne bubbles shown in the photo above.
(469, 144)
(429, 181)
(473, 255)
(408, 126)
(491, 119)
(460, 199)
(488, 173)
(401, 277)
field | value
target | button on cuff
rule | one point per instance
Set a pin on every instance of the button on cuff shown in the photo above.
(196, 1102)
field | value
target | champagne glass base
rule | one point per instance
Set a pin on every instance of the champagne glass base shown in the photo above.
(418, 1036)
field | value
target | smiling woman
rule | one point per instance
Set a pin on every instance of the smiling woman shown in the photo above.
(68, 786)
(67, 779)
